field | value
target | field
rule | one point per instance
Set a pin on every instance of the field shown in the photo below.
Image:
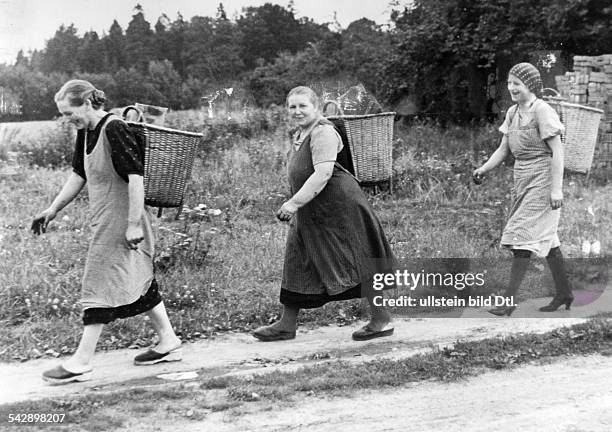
(219, 264)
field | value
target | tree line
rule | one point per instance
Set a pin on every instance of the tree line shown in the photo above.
(438, 52)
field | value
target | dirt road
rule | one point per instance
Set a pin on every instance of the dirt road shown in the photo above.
(570, 395)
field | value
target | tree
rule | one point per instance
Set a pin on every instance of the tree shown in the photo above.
(266, 31)
(198, 39)
(92, 56)
(59, 54)
(162, 38)
(139, 42)
(22, 59)
(115, 47)
(176, 44)
(364, 49)
(167, 83)
(443, 50)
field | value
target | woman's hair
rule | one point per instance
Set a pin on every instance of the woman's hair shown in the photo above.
(303, 90)
(78, 91)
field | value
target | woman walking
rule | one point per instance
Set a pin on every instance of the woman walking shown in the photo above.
(335, 240)
(532, 133)
(118, 281)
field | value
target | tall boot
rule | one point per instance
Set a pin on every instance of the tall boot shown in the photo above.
(563, 290)
(520, 263)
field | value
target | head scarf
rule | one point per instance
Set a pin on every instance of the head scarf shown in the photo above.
(529, 75)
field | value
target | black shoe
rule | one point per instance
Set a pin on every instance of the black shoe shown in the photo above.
(556, 304)
(151, 357)
(367, 333)
(502, 310)
(59, 375)
(270, 334)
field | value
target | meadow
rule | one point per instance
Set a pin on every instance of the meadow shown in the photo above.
(219, 264)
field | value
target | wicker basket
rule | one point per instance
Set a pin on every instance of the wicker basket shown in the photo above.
(169, 156)
(581, 130)
(370, 138)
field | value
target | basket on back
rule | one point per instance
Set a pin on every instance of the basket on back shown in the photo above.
(169, 156)
(370, 138)
(581, 129)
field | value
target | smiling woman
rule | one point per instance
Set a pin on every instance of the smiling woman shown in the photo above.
(335, 240)
(118, 281)
(532, 132)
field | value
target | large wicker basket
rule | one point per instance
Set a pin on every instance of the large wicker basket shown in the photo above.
(581, 130)
(370, 138)
(169, 156)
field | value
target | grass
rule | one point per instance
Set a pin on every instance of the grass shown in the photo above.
(220, 264)
(96, 411)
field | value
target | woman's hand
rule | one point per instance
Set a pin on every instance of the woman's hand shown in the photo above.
(556, 199)
(134, 235)
(478, 175)
(286, 212)
(40, 222)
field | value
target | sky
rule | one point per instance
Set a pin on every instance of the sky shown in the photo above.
(27, 24)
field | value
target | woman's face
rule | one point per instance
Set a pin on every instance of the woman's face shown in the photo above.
(302, 110)
(518, 90)
(76, 115)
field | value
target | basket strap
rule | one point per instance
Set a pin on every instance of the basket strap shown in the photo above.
(332, 102)
(128, 109)
(337, 165)
(512, 114)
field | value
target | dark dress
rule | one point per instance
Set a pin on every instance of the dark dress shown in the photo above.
(335, 242)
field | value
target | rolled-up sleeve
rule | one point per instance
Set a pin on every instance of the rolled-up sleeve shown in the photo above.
(549, 124)
(325, 144)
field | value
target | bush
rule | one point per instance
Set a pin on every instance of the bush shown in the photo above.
(45, 144)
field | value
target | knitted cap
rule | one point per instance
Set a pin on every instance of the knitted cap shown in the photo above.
(529, 75)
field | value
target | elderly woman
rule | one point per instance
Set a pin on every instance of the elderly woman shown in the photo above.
(532, 133)
(335, 241)
(118, 281)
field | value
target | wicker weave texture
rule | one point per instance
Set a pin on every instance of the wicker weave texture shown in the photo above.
(370, 138)
(581, 129)
(169, 156)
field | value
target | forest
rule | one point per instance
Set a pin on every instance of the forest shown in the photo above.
(439, 53)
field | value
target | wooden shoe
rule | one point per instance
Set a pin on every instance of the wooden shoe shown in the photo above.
(270, 334)
(366, 332)
(151, 357)
(59, 375)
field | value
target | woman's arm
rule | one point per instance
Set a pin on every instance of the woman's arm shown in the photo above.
(314, 185)
(556, 171)
(309, 190)
(71, 189)
(134, 233)
(496, 158)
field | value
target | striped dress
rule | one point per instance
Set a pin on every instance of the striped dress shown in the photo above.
(532, 224)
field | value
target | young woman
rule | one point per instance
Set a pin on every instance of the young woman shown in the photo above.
(532, 133)
(335, 239)
(118, 281)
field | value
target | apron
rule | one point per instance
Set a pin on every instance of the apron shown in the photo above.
(532, 224)
(114, 274)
